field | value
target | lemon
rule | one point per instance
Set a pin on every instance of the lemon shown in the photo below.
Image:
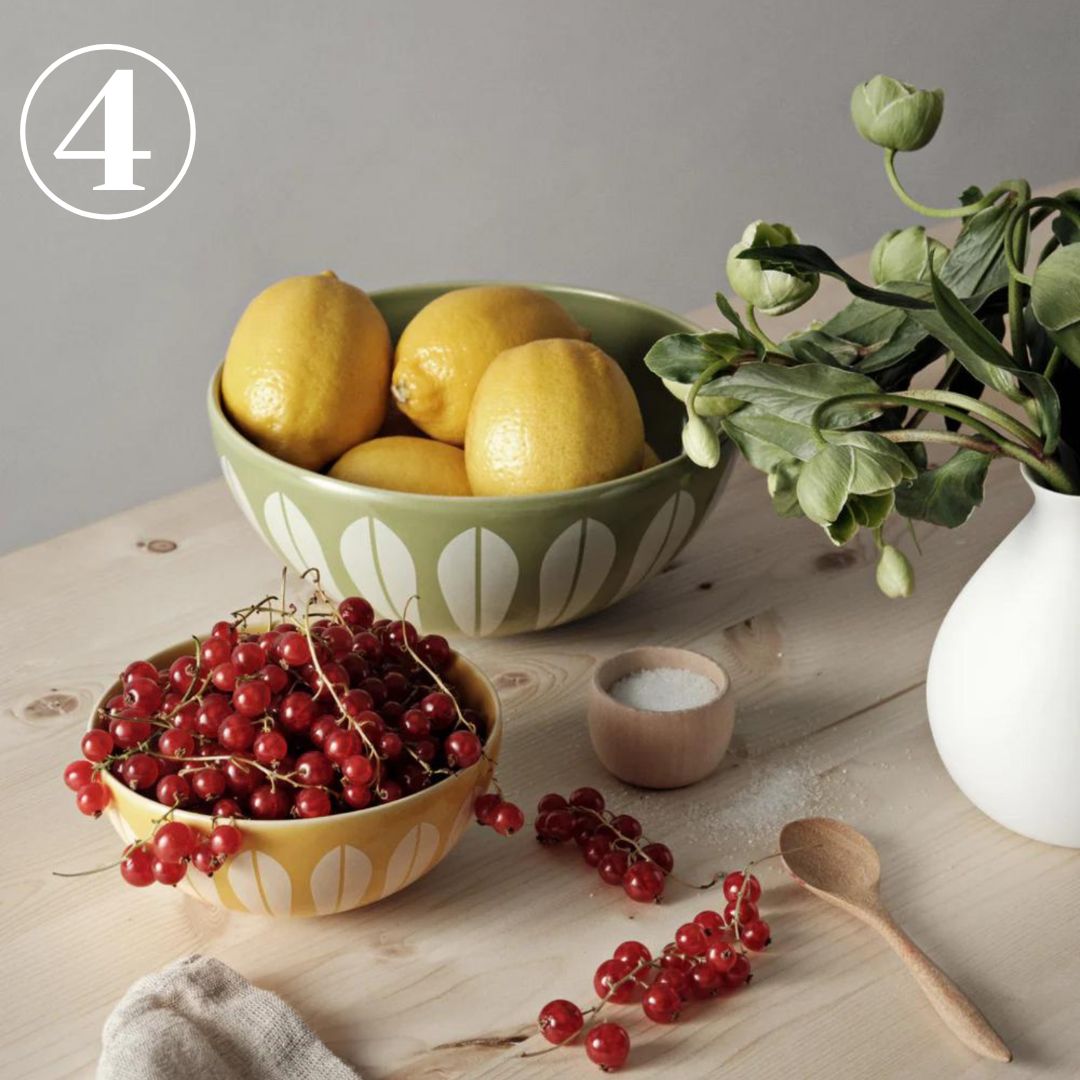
(649, 458)
(449, 344)
(308, 368)
(550, 416)
(405, 463)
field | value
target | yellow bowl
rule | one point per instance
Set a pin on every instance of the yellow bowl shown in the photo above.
(320, 866)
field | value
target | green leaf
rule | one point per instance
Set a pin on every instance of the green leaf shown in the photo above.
(806, 258)
(987, 359)
(819, 347)
(683, 357)
(793, 393)
(746, 339)
(767, 441)
(783, 478)
(976, 264)
(948, 494)
(872, 511)
(971, 194)
(854, 463)
(843, 528)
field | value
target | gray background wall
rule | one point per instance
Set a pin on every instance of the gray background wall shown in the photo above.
(621, 144)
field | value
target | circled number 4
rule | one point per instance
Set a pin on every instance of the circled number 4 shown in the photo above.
(117, 99)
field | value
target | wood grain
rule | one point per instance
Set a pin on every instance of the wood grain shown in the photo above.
(445, 979)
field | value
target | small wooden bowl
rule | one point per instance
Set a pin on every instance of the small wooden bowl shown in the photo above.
(659, 749)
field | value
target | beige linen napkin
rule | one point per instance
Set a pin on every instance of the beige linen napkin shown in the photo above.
(199, 1018)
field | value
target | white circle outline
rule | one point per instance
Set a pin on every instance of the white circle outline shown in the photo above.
(26, 112)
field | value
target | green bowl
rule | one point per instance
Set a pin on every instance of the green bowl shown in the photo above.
(488, 566)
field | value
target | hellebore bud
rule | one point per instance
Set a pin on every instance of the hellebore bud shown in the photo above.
(895, 578)
(906, 255)
(701, 443)
(772, 292)
(1055, 299)
(895, 115)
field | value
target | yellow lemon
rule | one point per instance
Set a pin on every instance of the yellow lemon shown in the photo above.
(405, 463)
(308, 368)
(449, 344)
(550, 416)
(649, 458)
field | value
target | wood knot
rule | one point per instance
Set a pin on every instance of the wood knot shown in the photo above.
(840, 559)
(158, 547)
(511, 680)
(705, 586)
(54, 703)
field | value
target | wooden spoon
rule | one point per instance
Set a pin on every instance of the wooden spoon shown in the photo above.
(840, 865)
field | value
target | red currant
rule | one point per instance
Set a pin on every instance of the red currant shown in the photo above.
(312, 802)
(144, 694)
(435, 651)
(78, 773)
(275, 677)
(141, 771)
(224, 677)
(608, 1045)
(608, 982)
(358, 769)
(643, 882)
(462, 749)
(626, 826)
(271, 802)
(595, 850)
(297, 712)
(712, 924)
(755, 935)
(97, 745)
(661, 855)
(182, 673)
(168, 873)
(662, 1003)
(252, 698)
(632, 953)
(137, 867)
(174, 841)
(270, 747)
(551, 802)
(208, 784)
(733, 885)
(560, 1020)
(705, 981)
(722, 956)
(214, 651)
(226, 631)
(342, 744)
(485, 807)
(357, 796)
(173, 790)
(613, 867)
(176, 743)
(739, 972)
(226, 840)
(356, 612)
(204, 860)
(508, 819)
(690, 939)
(237, 733)
(92, 798)
(747, 912)
(587, 798)
(313, 769)
(293, 649)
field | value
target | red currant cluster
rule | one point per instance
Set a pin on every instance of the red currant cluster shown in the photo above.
(325, 711)
(164, 858)
(502, 816)
(612, 843)
(708, 956)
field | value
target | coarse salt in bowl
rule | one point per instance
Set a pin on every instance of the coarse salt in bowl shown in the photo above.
(660, 717)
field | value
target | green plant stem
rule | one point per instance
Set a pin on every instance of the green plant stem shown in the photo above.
(1053, 364)
(946, 380)
(1017, 239)
(935, 212)
(751, 318)
(927, 399)
(988, 412)
(1050, 471)
(711, 371)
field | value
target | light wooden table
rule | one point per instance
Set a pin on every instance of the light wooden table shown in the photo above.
(445, 979)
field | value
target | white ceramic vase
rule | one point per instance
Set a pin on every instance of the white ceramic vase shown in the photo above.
(1003, 687)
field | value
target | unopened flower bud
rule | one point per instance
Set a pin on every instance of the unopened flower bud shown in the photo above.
(772, 292)
(1055, 299)
(893, 114)
(906, 255)
(701, 443)
(895, 578)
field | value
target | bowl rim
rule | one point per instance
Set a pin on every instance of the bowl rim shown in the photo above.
(193, 817)
(673, 465)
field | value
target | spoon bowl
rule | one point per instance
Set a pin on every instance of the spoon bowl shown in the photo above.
(837, 863)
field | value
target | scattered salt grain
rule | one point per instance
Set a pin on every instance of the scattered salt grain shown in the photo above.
(664, 689)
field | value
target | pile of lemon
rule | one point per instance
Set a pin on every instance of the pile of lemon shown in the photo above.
(490, 390)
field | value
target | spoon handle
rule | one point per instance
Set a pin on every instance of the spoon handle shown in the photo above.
(952, 1005)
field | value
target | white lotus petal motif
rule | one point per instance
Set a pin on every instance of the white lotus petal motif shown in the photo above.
(379, 564)
(478, 574)
(238, 493)
(127, 833)
(574, 570)
(340, 880)
(260, 882)
(199, 885)
(413, 855)
(663, 537)
(296, 539)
